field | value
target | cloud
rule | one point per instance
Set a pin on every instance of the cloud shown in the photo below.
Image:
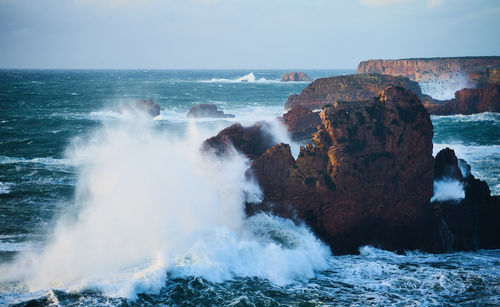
(380, 2)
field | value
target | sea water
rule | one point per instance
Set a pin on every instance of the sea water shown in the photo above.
(103, 208)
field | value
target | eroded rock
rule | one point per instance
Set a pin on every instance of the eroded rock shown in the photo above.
(207, 110)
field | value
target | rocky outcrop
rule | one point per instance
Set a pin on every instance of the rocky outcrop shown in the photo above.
(327, 91)
(295, 76)
(367, 179)
(301, 122)
(207, 111)
(425, 69)
(250, 141)
(143, 106)
(468, 101)
(471, 223)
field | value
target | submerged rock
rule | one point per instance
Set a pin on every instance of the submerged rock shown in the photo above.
(207, 111)
(145, 106)
(326, 91)
(295, 76)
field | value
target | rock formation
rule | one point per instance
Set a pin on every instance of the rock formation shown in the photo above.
(468, 101)
(425, 69)
(480, 79)
(301, 122)
(367, 179)
(145, 106)
(471, 223)
(295, 76)
(326, 91)
(251, 141)
(207, 111)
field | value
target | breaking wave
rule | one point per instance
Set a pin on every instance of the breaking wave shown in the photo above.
(249, 78)
(148, 205)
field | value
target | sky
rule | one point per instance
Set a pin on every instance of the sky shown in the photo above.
(241, 34)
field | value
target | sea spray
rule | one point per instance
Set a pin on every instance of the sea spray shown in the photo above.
(448, 189)
(148, 203)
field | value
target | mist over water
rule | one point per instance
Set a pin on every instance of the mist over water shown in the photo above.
(148, 202)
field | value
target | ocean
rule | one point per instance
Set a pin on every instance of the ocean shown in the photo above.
(103, 208)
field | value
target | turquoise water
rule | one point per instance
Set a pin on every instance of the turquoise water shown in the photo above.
(83, 188)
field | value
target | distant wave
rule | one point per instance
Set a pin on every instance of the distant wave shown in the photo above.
(249, 78)
(480, 117)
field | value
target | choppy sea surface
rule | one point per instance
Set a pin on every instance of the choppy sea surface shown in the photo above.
(103, 208)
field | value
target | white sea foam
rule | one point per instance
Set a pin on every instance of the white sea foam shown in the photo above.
(448, 189)
(479, 117)
(150, 203)
(249, 78)
(444, 89)
(5, 187)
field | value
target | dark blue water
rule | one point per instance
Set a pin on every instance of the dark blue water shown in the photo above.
(65, 239)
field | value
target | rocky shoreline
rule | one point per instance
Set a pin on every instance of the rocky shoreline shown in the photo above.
(369, 175)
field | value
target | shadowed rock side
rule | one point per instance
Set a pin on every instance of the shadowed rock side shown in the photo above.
(301, 122)
(422, 70)
(326, 91)
(250, 141)
(295, 76)
(468, 101)
(470, 223)
(146, 106)
(207, 111)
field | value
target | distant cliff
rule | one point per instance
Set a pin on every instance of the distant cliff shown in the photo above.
(425, 69)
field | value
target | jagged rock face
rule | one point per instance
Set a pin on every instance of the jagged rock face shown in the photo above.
(326, 91)
(429, 69)
(468, 101)
(250, 141)
(367, 180)
(480, 79)
(301, 122)
(295, 76)
(446, 165)
(207, 110)
(471, 223)
(146, 106)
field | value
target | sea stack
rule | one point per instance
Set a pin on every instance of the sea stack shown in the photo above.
(207, 110)
(295, 76)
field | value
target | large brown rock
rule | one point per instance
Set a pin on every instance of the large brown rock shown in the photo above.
(145, 106)
(207, 110)
(327, 91)
(367, 179)
(295, 76)
(301, 122)
(430, 69)
(468, 101)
